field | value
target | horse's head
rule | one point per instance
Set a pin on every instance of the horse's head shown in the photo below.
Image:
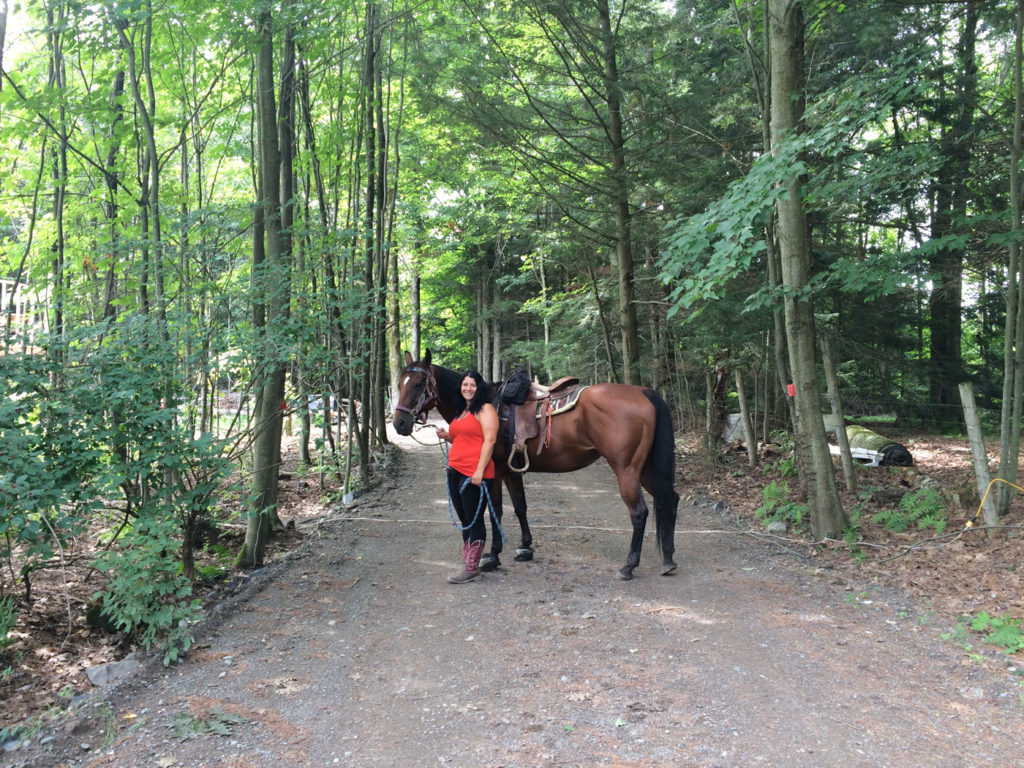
(417, 394)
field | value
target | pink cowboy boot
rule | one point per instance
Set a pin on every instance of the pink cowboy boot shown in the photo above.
(471, 553)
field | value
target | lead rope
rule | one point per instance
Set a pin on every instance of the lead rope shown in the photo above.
(485, 495)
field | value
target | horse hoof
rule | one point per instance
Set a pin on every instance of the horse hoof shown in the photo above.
(626, 573)
(668, 568)
(489, 562)
(524, 554)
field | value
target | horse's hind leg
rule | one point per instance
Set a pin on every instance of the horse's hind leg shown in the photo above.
(666, 525)
(667, 537)
(629, 488)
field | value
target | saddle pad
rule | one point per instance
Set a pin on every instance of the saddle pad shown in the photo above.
(562, 403)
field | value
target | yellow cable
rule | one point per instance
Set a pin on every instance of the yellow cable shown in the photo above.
(970, 523)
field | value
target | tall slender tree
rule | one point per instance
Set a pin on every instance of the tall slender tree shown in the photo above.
(271, 280)
(786, 26)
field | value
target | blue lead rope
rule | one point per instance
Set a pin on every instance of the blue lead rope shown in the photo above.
(486, 494)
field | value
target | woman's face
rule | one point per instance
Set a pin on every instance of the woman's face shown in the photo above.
(468, 388)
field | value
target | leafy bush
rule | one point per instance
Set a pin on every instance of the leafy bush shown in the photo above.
(51, 464)
(924, 507)
(92, 437)
(147, 595)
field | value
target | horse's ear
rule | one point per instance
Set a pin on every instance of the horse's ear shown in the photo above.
(426, 358)
(408, 359)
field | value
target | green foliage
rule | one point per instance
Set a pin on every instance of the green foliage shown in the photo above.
(90, 423)
(776, 506)
(50, 465)
(1000, 630)
(147, 595)
(8, 618)
(924, 507)
(852, 534)
(786, 467)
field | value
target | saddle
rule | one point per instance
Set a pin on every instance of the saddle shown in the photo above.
(531, 416)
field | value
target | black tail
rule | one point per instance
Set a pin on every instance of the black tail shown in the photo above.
(661, 468)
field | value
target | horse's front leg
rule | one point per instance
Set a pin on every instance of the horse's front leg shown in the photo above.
(516, 493)
(491, 560)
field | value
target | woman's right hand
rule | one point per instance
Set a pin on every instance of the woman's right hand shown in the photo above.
(443, 434)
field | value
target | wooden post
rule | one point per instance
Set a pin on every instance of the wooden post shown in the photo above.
(748, 429)
(974, 435)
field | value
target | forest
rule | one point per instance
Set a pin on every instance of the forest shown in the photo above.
(216, 220)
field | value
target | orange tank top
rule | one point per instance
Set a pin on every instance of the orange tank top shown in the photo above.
(467, 442)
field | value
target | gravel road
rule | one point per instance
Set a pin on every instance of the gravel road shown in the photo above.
(354, 651)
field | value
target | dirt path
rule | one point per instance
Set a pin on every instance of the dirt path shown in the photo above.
(355, 652)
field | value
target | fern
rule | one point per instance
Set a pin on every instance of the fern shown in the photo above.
(1002, 631)
(776, 506)
(923, 507)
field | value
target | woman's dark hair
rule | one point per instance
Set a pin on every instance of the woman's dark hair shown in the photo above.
(482, 392)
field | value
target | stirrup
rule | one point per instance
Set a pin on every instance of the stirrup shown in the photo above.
(526, 459)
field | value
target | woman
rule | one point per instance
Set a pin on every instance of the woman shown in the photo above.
(472, 434)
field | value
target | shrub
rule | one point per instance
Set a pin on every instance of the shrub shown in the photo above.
(147, 595)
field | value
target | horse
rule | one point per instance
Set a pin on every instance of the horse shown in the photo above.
(629, 426)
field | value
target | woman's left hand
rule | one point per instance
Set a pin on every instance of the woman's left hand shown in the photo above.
(477, 478)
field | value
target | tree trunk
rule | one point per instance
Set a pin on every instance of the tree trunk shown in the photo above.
(496, 340)
(978, 455)
(1013, 330)
(369, 245)
(55, 18)
(414, 313)
(786, 34)
(606, 333)
(145, 106)
(748, 426)
(272, 284)
(623, 224)
(951, 198)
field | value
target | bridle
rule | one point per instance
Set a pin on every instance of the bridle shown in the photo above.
(427, 399)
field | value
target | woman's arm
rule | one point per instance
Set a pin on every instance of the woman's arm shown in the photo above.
(488, 418)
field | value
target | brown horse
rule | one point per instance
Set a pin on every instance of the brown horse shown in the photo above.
(630, 426)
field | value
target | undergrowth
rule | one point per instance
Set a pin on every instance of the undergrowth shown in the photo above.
(924, 508)
(1000, 630)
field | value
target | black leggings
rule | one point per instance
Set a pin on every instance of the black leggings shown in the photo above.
(466, 502)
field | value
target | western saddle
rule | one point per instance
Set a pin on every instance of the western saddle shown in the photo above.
(533, 416)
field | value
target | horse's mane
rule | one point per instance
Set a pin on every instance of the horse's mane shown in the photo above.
(449, 385)
(449, 382)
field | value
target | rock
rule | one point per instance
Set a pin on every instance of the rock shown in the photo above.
(777, 527)
(106, 674)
